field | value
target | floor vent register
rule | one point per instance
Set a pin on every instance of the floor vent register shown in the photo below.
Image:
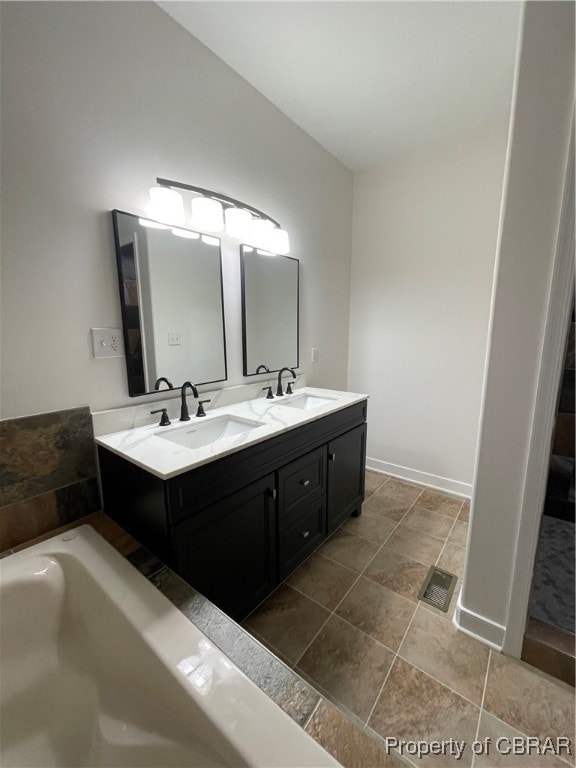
(438, 588)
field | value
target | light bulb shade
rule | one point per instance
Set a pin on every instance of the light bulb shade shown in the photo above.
(207, 214)
(260, 232)
(166, 205)
(186, 233)
(209, 240)
(279, 242)
(238, 222)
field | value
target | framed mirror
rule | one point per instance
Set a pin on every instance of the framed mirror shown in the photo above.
(270, 310)
(172, 304)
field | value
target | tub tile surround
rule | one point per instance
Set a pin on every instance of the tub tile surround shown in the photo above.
(48, 475)
(399, 668)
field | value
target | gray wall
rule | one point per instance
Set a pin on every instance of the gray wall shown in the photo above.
(97, 100)
(424, 244)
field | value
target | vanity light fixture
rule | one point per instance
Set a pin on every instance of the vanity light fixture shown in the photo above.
(166, 205)
(209, 240)
(279, 242)
(213, 212)
(260, 232)
(238, 222)
(207, 214)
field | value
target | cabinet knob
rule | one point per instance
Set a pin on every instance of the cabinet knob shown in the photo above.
(304, 483)
(305, 534)
(272, 492)
(332, 456)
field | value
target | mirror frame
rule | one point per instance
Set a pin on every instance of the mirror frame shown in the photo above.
(125, 313)
(243, 295)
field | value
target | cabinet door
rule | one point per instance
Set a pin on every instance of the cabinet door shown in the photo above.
(227, 551)
(346, 463)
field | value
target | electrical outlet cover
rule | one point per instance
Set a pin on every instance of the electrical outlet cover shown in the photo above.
(107, 342)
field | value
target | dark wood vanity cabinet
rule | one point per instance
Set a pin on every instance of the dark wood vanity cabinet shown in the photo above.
(236, 527)
(228, 550)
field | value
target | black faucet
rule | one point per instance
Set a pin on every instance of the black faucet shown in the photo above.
(184, 415)
(164, 420)
(165, 380)
(279, 391)
(265, 369)
(201, 411)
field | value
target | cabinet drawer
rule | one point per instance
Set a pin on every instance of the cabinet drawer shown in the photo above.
(301, 536)
(300, 482)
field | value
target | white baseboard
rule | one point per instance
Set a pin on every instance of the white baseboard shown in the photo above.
(420, 478)
(479, 627)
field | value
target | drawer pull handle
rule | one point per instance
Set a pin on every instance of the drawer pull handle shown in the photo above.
(272, 492)
(304, 483)
(332, 457)
(305, 534)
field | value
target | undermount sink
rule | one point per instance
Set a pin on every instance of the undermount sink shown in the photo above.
(305, 402)
(199, 434)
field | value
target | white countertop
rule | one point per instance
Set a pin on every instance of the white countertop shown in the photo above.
(147, 448)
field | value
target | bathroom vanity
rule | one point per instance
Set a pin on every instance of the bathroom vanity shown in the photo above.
(234, 514)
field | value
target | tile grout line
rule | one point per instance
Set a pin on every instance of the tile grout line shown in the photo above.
(364, 538)
(449, 534)
(271, 648)
(378, 695)
(482, 703)
(331, 699)
(397, 523)
(326, 621)
(333, 612)
(300, 592)
(326, 557)
(388, 477)
(322, 692)
(311, 715)
(391, 665)
(366, 634)
(440, 682)
(359, 575)
(294, 665)
(342, 599)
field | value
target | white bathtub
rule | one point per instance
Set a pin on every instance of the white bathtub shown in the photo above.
(98, 668)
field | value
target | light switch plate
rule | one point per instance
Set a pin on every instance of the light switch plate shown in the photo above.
(107, 342)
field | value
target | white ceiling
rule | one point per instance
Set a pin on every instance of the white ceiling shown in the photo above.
(368, 80)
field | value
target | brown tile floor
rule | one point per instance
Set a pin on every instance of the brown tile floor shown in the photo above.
(349, 622)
